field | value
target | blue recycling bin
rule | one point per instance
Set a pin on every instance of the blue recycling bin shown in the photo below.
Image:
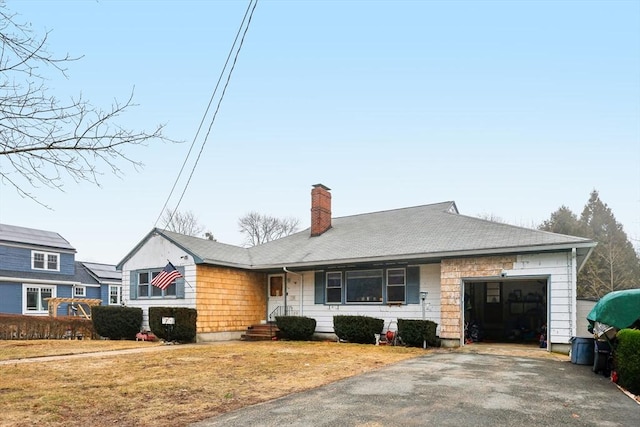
(582, 350)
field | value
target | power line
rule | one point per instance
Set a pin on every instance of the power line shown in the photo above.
(247, 17)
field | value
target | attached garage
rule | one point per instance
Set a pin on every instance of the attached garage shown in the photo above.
(506, 310)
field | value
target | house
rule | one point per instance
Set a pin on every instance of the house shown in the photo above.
(38, 272)
(431, 262)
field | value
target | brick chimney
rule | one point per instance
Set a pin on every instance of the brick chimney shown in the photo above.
(320, 209)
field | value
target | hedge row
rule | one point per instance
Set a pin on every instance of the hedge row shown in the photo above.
(39, 327)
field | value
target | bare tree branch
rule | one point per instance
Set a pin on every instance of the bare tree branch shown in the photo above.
(184, 223)
(43, 139)
(259, 229)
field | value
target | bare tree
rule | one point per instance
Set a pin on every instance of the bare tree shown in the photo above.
(259, 229)
(491, 217)
(42, 137)
(184, 223)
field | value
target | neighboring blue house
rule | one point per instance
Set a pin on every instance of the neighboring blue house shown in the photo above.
(37, 264)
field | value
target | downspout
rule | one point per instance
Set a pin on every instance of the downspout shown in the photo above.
(301, 287)
(574, 288)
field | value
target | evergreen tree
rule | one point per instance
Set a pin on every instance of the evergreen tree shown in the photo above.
(564, 221)
(613, 264)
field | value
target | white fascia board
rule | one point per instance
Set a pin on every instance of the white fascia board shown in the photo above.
(34, 247)
(40, 281)
(435, 255)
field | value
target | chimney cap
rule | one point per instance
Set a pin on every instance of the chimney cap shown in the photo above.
(321, 186)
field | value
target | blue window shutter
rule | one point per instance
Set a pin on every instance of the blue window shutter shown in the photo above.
(133, 285)
(319, 287)
(413, 285)
(180, 283)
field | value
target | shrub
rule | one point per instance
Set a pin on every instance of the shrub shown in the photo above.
(184, 329)
(116, 322)
(627, 359)
(16, 326)
(296, 328)
(415, 332)
(357, 329)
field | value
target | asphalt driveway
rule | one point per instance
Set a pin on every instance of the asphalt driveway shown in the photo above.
(452, 389)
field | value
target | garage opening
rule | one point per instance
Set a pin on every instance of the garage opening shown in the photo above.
(505, 311)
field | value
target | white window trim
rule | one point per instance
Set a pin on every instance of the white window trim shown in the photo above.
(54, 293)
(404, 285)
(327, 287)
(118, 288)
(46, 263)
(80, 294)
(152, 274)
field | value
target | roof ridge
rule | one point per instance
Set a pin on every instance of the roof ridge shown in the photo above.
(448, 203)
(520, 227)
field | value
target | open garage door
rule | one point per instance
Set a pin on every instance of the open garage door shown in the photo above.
(505, 311)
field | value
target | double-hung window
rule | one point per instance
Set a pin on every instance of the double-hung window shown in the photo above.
(115, 295)
(45, 261)
(396, 285)
(334, 288)
(147, 290)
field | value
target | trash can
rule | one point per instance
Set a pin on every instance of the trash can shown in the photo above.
(582, 350)
(601, 352)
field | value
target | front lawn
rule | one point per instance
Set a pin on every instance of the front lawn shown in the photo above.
(172, 385)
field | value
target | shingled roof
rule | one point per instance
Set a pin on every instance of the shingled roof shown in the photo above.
(428, 232)
(425, 233)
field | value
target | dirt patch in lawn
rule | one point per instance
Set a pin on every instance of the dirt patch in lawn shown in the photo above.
(18, 349)
(176, 387)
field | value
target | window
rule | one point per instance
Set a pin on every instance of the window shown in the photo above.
(115, 295)
(493, 293)
(364, 286)
(396, 284)
(35, 296)
(276, 286)
(146, 289)
(45, 261)
(334, 288)
(143, 284)
(79, 291)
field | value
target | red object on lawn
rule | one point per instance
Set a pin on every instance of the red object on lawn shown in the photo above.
(390, 335)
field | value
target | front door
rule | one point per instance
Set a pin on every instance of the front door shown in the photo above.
(276, 297)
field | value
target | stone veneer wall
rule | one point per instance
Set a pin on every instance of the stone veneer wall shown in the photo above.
(229, 299)
(452, 272)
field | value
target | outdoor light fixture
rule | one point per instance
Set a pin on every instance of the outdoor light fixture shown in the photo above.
(423, 297)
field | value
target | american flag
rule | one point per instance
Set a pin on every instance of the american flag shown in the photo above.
(166, 277)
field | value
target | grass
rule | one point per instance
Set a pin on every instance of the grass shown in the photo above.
(16, 349)
(170, 385)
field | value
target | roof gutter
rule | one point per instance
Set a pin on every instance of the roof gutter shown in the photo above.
(438, 255)
(40, 281)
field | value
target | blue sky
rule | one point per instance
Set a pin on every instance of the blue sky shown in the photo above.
(509, 108)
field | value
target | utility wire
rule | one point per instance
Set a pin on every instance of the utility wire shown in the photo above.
(248, 14)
